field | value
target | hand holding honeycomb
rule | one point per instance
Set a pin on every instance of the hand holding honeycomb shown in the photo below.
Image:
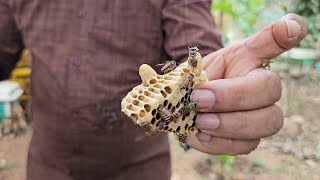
(162, 102)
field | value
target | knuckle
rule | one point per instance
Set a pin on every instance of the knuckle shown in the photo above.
(274, 88)
(276, 120)
(242, 124)
(239, 97)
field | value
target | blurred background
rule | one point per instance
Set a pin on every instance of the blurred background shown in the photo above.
(293, 153)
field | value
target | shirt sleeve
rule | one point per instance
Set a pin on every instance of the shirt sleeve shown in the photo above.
(11, 44)
(189, 22)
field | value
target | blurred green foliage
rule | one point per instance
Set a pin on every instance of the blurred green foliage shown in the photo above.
(309, 10)
(306, 7)
(227, 163)
(244, 13)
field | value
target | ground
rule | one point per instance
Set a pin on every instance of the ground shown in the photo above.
(13, 150)
(290, 154)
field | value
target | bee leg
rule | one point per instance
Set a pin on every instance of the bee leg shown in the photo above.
(266, 64)
(160, 64)
(182, 137)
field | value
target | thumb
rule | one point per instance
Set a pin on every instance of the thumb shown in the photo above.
(242, 57)
(277, 38)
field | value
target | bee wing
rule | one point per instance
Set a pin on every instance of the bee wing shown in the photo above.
(165, 112)
(162, 64)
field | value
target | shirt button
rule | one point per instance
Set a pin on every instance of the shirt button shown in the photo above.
(82, 13)
(76, 62)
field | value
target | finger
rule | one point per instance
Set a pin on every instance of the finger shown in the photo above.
(218, 146)
(259, 88)
(240, 58)
(277, 38)
(242, 125)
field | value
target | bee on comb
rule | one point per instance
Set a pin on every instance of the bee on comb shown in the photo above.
(168, 66)
(192, 61)
(162, 102)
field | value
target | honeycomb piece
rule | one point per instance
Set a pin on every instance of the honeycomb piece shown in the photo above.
(162, 102)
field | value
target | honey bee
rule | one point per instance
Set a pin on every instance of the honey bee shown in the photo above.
(165, 114)
(182, 137)
(184, 110)
(192, 61)
(188, 108)
(266, 64)
(148, 129)
(168, 66)
(187, 81)
(193, 51)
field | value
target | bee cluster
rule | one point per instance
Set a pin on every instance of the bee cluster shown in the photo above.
(162, 102)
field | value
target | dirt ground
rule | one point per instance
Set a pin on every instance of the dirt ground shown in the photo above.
(290, 154)
(13, 150)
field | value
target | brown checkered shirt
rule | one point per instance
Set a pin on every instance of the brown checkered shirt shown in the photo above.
(86, 55)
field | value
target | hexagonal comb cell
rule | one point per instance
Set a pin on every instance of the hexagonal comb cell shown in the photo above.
(162, 102)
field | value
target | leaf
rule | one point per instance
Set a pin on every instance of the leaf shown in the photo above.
(226, 162)
(223, 6)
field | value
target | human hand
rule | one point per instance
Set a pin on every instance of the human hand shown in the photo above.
(237, 104)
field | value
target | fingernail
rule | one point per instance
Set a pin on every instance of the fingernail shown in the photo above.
(203, 137)
(293, 27)
(203, 98)
(208, 121)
